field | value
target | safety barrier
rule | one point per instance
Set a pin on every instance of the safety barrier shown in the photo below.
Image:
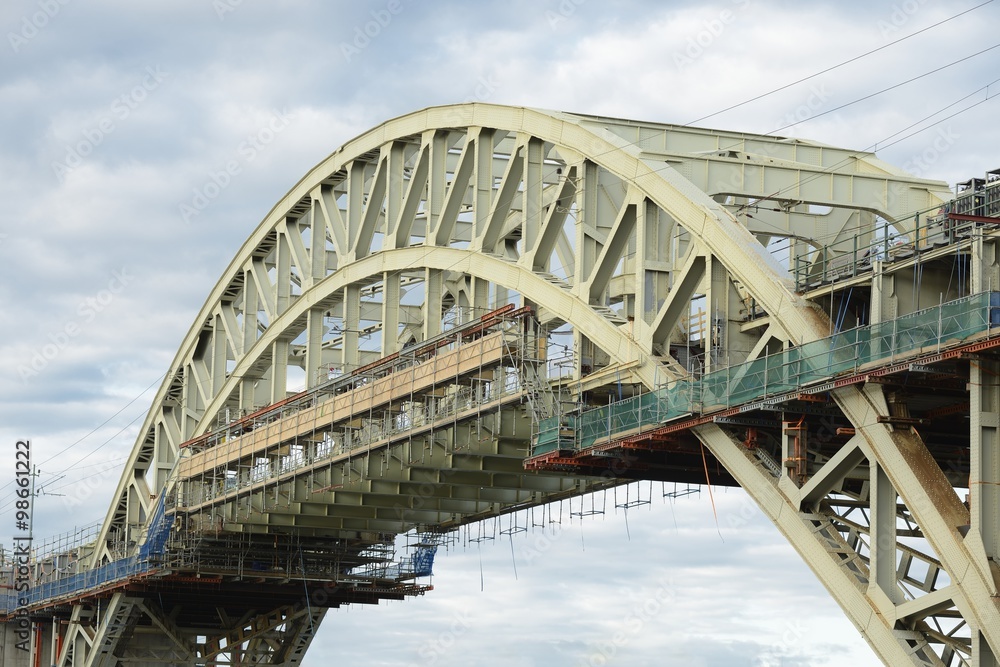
(963, 217)
(780, 373)
(147, 559)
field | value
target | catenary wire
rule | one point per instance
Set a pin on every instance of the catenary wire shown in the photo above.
(837, 66)
(697, 120)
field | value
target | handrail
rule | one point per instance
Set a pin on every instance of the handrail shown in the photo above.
(775, 374)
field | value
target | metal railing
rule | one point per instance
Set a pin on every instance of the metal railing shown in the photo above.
(926, 330)
(370, 432)
(66, 585)
(855, 255)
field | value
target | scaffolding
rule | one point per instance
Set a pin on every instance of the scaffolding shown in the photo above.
(60, 571)
(419, 561)
(974, 210)
(206, 523)
(869, 346)
(460, 376)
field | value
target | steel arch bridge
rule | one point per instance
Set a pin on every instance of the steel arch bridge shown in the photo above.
(396, 256)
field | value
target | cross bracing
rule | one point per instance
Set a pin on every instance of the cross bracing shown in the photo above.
(646, 248)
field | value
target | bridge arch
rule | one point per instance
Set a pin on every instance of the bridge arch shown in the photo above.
(615, 232)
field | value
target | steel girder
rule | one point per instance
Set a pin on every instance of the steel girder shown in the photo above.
(610, 228)
(136, 630)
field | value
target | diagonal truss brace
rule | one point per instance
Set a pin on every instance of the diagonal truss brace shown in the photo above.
(114, 632)
(833, 561)
(295, 621)
(925, 490)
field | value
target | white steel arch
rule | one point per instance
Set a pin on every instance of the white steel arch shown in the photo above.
(609, 228)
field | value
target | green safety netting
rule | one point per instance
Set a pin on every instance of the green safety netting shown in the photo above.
(780, 373)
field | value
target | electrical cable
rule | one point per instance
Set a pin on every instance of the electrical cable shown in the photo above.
(885, 90)
(636, 143)
(832, 168)
(830, 69)
(105, 422)
(6, 508)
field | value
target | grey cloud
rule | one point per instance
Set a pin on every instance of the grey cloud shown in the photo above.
(60, 239)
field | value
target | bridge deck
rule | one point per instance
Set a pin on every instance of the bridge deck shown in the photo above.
(583, 442)
(220, 486)
(217, 520)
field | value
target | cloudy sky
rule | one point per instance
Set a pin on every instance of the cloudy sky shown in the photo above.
(116, 113)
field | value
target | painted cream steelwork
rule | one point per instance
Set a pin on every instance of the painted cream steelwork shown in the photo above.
(612, 230)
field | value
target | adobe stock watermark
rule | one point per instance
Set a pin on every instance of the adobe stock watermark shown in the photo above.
(370, 30)
(86, 487)
(642, 613)
(486, 86)
(711, 29)
(33, 24)
(246, 152)
(789, 646)
(542, 541)
(223, 7)
(565, 10)
(899, 16)
(119, 110)
(920, 164)
(87, 311)
(744, 514)
(431, 650)
(816, 99)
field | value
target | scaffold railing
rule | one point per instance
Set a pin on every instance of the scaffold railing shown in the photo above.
(71, 581)
(368, 433)
(394, 407)
(418, 562)
(450, 385)
(972, 211)
(387, 367)
(926, 330)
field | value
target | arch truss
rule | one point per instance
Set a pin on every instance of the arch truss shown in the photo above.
(648, 253)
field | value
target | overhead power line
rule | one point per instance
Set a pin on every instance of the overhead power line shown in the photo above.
(830, 69)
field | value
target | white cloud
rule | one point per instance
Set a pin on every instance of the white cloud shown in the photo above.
(733, 600)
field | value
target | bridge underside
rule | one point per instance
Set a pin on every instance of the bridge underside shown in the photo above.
(928, 412)
(385, 351)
